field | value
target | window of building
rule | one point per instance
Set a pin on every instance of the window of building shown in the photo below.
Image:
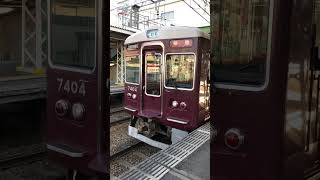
(167, 15)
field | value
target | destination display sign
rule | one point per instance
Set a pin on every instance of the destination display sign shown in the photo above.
(153, 33)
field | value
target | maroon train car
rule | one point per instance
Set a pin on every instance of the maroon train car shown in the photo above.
(167, 82)
(266, 83)
(76, 126)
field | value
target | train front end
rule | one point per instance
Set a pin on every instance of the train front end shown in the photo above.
(162, 90)
(76, 128)
(250, 52)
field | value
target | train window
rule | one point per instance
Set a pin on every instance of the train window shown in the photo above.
(180, 71)
(241, 42)
(153, 74)
(132, 64)
(73, 33)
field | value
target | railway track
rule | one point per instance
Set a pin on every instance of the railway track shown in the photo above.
(116, 109)
(125, 151)
(117, 115)
(21, 155)
(119, 138)
(28, 162)
(124, 160)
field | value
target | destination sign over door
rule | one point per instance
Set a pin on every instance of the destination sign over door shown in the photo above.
(153, 33)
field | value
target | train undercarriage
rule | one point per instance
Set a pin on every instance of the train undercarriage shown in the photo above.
(153, 133)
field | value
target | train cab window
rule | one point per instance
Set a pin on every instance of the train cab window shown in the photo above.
(132, 64)
(180, 71)
(73, 33)
(153, 74)
(241, 42)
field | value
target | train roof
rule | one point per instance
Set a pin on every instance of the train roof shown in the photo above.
(169, 32)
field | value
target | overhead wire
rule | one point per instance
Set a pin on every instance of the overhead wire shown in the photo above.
(196, 11)
(161, 5)
(201, 7)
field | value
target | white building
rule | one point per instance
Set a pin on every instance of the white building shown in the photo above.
(141, 14)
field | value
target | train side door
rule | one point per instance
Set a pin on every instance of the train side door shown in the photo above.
(152, 57)
(76, 128)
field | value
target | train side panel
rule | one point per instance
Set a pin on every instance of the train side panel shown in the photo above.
(77, 82)
(204, 80)
(257, 113)
(74, 135)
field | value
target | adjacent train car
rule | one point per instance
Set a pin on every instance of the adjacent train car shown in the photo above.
(167, 82)
(265, 94)
(76, 104)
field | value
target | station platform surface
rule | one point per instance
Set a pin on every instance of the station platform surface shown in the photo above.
(196, 166)
(188, 159)
(116, 90)
(22, 88)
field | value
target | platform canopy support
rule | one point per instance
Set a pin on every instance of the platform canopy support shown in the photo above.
(120, 62)
(117, 62)
(34, 35)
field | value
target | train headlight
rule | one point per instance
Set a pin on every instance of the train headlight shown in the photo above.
(183, 105)
(175, 104)
(129, 95)
(61, 107)
(78, 111)
(187, 43)
(134, 96)
(233, 138)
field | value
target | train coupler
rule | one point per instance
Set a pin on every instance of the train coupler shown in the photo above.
(133, 132)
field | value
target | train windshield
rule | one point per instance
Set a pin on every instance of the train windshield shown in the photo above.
(180, 71)
(240, 41)
(73, 33)
(132, 69)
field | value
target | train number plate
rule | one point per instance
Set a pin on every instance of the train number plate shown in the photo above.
(132, 88)
(74, 87)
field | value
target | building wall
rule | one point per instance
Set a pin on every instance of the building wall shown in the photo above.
(185, 16)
